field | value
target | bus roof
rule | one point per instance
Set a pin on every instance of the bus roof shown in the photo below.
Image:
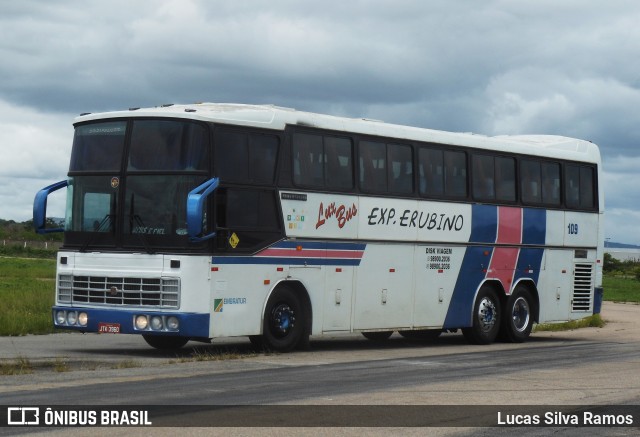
(277, 118)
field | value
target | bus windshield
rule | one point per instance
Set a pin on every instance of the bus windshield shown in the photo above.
(131, 189)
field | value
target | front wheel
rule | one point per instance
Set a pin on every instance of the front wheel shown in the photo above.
(486, 318)
(518, 319)
(284, 325)
(165, 342)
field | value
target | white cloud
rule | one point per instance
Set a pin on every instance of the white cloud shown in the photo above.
(35, 149)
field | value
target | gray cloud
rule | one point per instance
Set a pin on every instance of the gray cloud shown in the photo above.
(494, 67)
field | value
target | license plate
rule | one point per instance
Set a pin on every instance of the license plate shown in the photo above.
(109, 328)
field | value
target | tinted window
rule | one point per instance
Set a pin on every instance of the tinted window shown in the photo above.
(98, 147)
(246, 158)
(91, 204)
(155, 205)
(339, 165)
(400, 167)
(431, 172)
(579, 187)
(455, 176)
(442, 172)
(373, 170)
(505, 179)
(531, 182)
(483, 177)
(386, 168)
(168, 145)
(250, 214)
(322, 161)
(308, 160)
(494, 178)
(550, 183)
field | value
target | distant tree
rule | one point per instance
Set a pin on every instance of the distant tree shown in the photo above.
(610, 263)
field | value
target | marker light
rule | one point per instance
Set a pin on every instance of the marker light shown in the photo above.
(156, 323)
(72, 317)
(141, 322)
(173, 323)
(60, 317)
(83, 318)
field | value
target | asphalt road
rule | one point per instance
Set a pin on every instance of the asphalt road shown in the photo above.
(587, 367)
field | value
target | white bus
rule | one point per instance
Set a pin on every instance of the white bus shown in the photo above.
(190, 222)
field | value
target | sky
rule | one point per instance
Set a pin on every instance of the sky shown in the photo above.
(493, 67)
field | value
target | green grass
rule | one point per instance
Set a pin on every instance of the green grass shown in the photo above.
(594, 321)
(27, 288)
(18, 366)
(621, 289)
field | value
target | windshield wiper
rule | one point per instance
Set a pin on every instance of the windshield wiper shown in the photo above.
(102, 226)
(135, 218)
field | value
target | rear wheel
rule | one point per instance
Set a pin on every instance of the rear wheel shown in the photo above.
(486, 318)
(518, 319)
(165, 342)
(283, 320)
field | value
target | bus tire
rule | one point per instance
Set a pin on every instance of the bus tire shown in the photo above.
(486, 317)
(377, 336)
(283, 320)
(518, 317)
(165, 342)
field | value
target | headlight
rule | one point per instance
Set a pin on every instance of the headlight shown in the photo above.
(173, 323)
(83, 318)
(141, 322)
(61, 317)
(156, 323)
(72, 317)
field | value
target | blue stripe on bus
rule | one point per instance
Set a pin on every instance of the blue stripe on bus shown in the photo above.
(286, 261)
(318, 245)
(472, 272)
(529, 264)
(483, 223)
(534, 226)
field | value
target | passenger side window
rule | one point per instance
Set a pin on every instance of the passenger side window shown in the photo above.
(246, 158)
(322, 161)
(494, 178)
(386, 168)
(579, 187)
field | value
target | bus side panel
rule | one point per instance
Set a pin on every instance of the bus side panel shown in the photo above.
(338, 296)
(237, 298)
(554, 286)
(580, 229)
(436, 270)
(384, 287)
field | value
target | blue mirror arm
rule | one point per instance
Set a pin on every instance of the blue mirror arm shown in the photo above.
(195, 206)
(40, 208)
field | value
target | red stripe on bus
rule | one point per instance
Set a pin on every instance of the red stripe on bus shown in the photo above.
(312, 253)
(509, 225)
(504, 259)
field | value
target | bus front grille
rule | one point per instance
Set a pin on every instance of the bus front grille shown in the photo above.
(119, 291)
(582, 287)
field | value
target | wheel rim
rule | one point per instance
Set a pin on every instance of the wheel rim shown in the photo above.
(520, 314)
(283, 320)
(487, 314)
